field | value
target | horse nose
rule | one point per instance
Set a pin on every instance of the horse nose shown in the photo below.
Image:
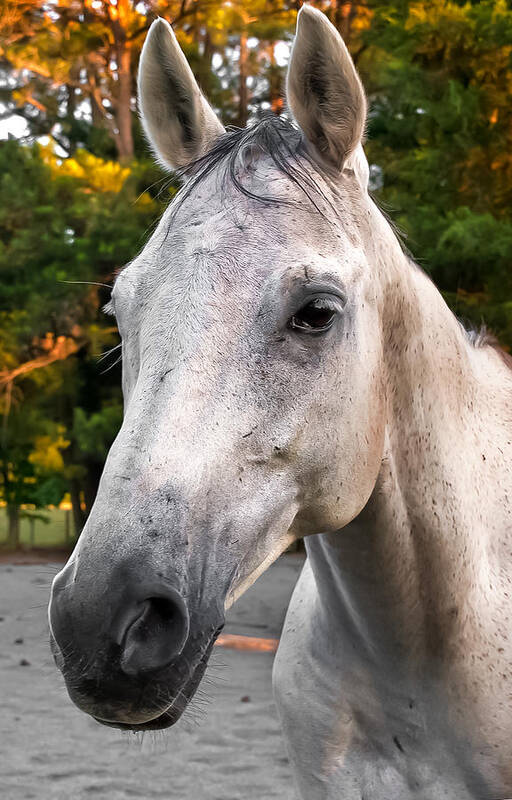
(147, 622)
(154, 632)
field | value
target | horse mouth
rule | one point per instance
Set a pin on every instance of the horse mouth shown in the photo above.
(170, 715)
(159, 723)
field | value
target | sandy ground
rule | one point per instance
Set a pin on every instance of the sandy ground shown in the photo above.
(228, 748)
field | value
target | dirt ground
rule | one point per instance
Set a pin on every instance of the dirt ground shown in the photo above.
(227, 746)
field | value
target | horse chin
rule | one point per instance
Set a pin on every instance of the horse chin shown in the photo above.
(165, 720)
(169, 716)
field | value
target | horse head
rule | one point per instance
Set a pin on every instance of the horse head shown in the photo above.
(252, 378)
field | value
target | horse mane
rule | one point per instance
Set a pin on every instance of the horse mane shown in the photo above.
(485, 338)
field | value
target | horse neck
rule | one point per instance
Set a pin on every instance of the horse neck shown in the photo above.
(420, 561)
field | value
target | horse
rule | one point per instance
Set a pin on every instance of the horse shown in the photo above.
(289, 372)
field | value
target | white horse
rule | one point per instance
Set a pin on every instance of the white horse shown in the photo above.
(288, 371)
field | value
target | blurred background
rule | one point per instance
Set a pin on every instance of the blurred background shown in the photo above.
(80, 194)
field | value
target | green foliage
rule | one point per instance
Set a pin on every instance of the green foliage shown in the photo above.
(440, 78)
(61, 221)
(94, 433)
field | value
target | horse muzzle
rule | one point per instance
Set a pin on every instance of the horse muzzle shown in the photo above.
(130, 651)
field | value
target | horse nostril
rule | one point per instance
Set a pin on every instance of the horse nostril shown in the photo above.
(157, 635)
(162, 608)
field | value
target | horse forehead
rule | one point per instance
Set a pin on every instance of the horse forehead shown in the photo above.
(277, 212)
(202, 226)
(217, 233)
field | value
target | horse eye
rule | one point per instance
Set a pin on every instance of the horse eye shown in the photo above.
(316, 316)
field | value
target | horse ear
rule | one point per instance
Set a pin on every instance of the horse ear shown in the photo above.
(179, 123)
(324, 91)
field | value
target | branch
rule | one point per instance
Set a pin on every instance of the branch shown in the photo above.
(139, 31)
(59, 351)
(62, 144)
(94, 93)
(32, 66)
(32, 101)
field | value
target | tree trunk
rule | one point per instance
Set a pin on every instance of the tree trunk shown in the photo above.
(205, 74)
(342, 15)
(13, 516)
(348, 12)
(67, 526)
(70, 113)
(79, 517)
(97, 111)
(90, 485)
(275, 95)
(32, 525)
(124, 103)
(123, 100)
(243, 98)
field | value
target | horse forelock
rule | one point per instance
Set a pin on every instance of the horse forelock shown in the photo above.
(238, 150)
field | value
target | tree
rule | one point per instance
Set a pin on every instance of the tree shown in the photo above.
(69, 69)
(58, 57)
(440, 131)
(61, 221)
